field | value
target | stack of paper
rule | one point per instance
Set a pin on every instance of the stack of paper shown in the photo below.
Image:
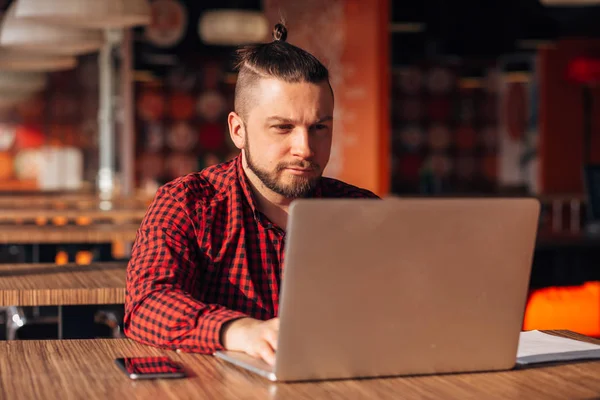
(538, 347)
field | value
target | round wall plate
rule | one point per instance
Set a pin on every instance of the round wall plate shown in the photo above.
(169, 23)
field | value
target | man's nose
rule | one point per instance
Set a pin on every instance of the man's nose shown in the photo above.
(301, 146)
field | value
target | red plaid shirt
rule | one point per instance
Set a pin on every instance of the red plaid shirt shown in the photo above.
(204, 255)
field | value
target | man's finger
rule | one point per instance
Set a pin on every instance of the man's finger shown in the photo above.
(271, 337)
(267, 353)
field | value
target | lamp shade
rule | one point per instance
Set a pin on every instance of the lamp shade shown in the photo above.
(13, 60)
(97, 14)
(232, 27)
(25, 34)
(28, 82)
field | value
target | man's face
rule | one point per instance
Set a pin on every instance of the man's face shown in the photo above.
(288, 133)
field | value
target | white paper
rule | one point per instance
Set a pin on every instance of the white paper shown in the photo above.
(539, 347)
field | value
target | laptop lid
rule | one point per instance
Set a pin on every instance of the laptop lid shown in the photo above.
(403, 286)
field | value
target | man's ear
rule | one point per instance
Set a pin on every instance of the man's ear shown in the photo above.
(237, 130)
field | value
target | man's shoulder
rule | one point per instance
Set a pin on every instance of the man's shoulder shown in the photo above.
(203, 186)
(335, 188)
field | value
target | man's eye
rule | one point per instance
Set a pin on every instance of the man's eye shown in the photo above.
(284, 127)
(319, 128)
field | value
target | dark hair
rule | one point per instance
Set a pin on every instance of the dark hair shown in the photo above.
(277, 59)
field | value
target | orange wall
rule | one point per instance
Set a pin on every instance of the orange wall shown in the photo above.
(351, 38)
(561, 118)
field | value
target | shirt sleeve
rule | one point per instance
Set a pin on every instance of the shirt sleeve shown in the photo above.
(163, 274)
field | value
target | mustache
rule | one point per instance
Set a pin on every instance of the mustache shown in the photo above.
(302, 164)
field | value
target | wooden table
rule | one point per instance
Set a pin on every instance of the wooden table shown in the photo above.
(84, 369)
(105, 233)
(69, 219)
(33, 214)
(62, 200)
(53, 285)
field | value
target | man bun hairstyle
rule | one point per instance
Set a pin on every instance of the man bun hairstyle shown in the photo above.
(277, 59)
(280, 33)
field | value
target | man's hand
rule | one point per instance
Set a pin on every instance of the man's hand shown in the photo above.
(254, 337)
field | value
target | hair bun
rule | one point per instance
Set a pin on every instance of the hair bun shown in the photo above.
(280, 33)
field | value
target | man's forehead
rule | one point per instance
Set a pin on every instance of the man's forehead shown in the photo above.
(302, 101)
(278, 85)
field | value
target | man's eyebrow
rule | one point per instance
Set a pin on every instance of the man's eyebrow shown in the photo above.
(325, 119)
(280, 119)
(291, 121)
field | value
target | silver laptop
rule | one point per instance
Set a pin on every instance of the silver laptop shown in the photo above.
(376, 288)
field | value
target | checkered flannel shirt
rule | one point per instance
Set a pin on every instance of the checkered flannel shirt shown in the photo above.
(204, 255)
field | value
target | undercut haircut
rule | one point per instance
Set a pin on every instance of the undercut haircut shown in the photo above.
(277, 59)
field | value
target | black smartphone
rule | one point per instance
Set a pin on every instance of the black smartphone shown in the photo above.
(150, 367)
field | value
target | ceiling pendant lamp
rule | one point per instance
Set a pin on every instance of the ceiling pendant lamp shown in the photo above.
(22, 81)
(99, 14)
(25, 34)
(14, 60)
(111, 16)
(233, 27)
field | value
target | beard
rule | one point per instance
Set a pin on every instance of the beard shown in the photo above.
(298, 186)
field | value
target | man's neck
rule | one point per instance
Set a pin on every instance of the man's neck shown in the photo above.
(271, 204)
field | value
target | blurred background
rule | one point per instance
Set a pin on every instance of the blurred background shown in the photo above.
(433, 98)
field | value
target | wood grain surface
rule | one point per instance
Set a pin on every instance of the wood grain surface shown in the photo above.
(97, 233)
(81, 201)
(32, 214)
(52, 285)
(85, 369)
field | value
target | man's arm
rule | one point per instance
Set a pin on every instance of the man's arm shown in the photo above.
(162, 275)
